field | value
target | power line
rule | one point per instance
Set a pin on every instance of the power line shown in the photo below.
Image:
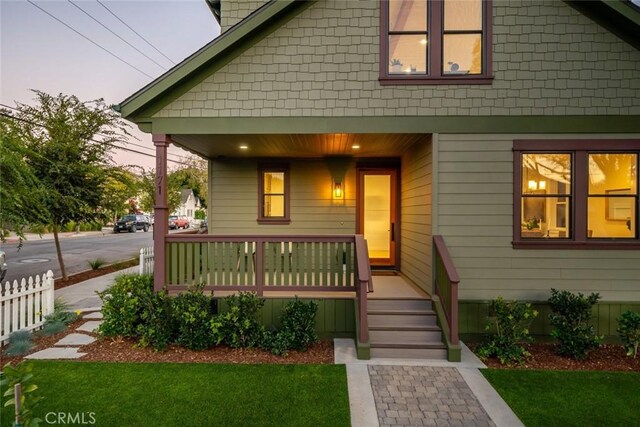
(36, 124)
(99, 142)
(139, 35)
(88, 39)
(117, 35)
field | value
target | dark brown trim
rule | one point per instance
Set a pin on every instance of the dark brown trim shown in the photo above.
(274, 167)
(579, 150)
(161, 210)
(435, 47)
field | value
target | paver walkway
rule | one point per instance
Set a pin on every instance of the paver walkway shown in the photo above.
(69, 347)
(424, 395)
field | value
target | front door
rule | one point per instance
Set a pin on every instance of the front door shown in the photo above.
(377, 211)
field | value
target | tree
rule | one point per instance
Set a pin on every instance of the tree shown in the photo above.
(148, 191)
(20, 193)
(72, 140)
(119, 186)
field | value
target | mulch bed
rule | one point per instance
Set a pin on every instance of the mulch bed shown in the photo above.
(125, 350)
(608, 357)
(90, 274)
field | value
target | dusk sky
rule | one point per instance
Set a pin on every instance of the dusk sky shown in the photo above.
(38, 52)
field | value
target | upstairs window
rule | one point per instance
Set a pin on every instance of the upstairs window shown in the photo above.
(435, 41)
(273, 194)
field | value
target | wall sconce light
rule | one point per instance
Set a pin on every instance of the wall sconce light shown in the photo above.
(534, 185)
(338, 191)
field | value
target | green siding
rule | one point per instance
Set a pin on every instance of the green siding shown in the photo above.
(473, 318)
(233, 193)
(475, 216)
(335, 318)
(415, 214)
(548, 59)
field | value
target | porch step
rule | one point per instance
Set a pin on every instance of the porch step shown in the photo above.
(406, 351)
(398, 304)
(404, 329)
(408, 334)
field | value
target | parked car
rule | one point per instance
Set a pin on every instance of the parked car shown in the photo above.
(132, 223)
(178, 222)
(3, 265)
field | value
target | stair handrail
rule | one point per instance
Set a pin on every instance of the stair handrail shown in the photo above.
(364, 285)
(446, 282)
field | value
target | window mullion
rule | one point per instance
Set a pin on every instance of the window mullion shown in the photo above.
(581, 191)
(434, 51)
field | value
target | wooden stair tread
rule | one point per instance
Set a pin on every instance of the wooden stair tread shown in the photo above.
(427, 345)
(406, 328)
(403, 312)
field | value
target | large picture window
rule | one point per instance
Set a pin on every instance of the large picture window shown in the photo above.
(576, 193)
(435, 41)
(273, 194)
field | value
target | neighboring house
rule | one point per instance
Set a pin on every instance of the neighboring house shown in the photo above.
(505, 131)
(189, 204)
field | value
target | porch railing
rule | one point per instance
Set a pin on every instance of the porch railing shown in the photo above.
(336, 263)
(446, 286)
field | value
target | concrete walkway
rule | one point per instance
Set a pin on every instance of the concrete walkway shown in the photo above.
(410, 392)
(82, 296)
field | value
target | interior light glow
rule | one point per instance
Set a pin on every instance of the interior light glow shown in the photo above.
(244, 147)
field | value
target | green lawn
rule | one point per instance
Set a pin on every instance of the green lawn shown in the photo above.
(140, 394)
(569, 398)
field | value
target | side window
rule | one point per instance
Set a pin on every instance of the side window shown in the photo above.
(273, 194)
(576, 193)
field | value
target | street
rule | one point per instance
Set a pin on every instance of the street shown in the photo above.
(39, 255)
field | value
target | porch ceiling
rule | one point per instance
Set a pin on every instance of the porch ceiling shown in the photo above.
(299, 145)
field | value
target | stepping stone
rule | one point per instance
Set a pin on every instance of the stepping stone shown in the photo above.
(89, 326)
(94, 315)
(57, 353)
(76, 339)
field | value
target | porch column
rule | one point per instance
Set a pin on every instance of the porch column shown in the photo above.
(161, 208)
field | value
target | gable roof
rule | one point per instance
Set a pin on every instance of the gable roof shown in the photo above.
(210, 58)
(185, 194)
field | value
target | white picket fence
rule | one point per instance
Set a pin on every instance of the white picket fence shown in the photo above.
(24, 304)
(146, 261)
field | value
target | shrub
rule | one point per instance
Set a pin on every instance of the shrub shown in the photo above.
(70, 226)
(97, 263)
(21, 374)
(299, 321)
(239, 325)
(52, 328)
(193, 312)
(157, 326)
(123, 303)
(19, 343)
(570, 321)
(61, 313)
(277, 342)
(509, 323)
(629, 331)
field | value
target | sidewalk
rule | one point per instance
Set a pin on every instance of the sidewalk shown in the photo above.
(82, 296)
(29, 237)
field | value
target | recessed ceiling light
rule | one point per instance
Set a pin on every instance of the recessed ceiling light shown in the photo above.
(244, 147)
(355, 147)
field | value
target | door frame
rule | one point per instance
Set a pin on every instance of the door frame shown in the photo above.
(392, 166)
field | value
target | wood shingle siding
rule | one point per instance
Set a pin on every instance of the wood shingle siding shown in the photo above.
(548, 60)
(475, 216)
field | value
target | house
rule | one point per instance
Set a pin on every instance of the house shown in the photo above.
(490, 143)
(189, 204)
